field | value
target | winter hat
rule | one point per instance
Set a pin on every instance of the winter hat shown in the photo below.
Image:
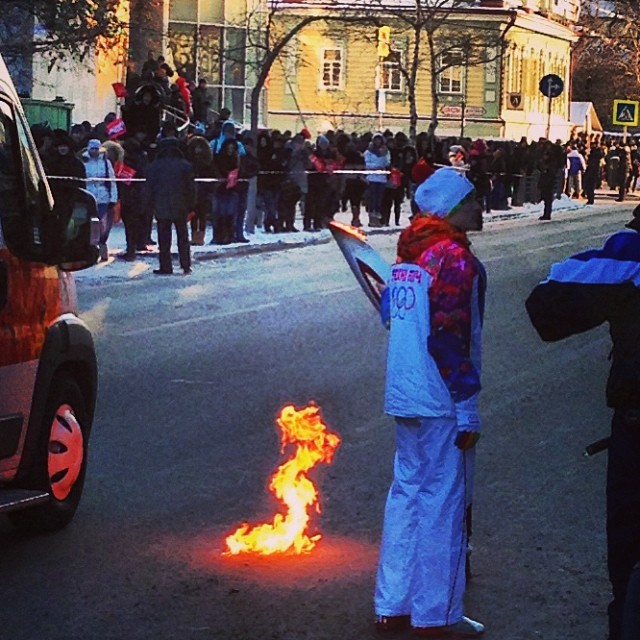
(94, 143)
(421, 171)
(478, 148)
(441, 192)
(323, 142)
(61, 137)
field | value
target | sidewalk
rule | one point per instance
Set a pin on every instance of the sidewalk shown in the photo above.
(261, 242)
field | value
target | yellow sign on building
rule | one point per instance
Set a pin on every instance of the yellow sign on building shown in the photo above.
(625, 112)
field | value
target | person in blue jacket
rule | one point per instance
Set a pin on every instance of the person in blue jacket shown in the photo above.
(227, 132)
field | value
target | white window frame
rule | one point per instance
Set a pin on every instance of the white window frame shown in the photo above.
(447, 76)
(391, 78)
(332, 65)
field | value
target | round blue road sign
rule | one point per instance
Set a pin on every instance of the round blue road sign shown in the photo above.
(551, 85)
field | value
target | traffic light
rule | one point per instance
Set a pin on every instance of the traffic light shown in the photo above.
(384, 41)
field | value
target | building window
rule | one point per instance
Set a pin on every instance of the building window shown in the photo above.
(390, 74)
(202, 44)
(332, 65)
(451, 76)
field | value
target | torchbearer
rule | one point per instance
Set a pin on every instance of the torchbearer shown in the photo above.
(432, 306)
(581, 293)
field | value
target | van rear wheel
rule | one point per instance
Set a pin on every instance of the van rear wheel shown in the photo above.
(61, 459)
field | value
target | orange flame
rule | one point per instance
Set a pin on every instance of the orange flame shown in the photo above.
(291, 486)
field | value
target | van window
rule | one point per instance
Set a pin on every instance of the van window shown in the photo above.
(29, 168)
(10, 200)
(23, 201)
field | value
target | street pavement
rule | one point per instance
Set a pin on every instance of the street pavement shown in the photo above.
(193, 372)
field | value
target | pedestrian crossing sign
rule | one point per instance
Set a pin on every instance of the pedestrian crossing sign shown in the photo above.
(625, 112)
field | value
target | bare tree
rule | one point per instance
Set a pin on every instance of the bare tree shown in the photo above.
(275, 23)
(58, 29)
(607, 57)
(270, 27)
(435, 39)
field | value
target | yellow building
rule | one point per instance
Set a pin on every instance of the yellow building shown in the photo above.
(328, 76)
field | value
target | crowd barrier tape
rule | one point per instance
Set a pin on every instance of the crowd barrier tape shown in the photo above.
(261, 173)
(363, 172)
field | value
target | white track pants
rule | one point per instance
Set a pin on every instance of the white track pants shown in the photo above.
(422, 556)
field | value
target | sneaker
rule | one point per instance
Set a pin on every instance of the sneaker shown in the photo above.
(465, 628)
(386, 624)
(162, 272)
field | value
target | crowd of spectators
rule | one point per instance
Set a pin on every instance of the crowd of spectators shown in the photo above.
(298, 177)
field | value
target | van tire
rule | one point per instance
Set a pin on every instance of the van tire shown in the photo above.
(65, 395)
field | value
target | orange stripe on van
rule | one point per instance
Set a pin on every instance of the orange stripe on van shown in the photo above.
(33, 303)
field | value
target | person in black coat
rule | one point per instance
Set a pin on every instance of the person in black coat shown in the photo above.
(62, 162)
(131, 195)
(143, 114)
(594, 160)
(548, 166)
(200, 156)
(595, 287)
(171, 195)
(201, 102)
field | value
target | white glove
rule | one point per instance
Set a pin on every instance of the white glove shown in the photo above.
(468, 422)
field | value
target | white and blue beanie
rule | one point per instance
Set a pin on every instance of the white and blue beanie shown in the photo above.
(442, 191)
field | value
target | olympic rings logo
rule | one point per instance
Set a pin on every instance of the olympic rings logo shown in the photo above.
(403, 300)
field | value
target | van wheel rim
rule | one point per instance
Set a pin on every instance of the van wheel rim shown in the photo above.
(66, 452)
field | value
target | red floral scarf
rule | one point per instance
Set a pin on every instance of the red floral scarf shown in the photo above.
(424, 232)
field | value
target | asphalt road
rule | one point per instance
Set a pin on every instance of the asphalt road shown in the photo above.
(193, 372)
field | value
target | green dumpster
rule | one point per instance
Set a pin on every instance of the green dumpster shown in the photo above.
(57, 113)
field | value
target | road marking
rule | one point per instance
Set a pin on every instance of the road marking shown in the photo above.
(328, 292)
(544, 248)
(211, 316)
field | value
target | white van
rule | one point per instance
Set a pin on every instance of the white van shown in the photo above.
(48, 373)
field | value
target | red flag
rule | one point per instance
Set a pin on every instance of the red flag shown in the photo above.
(123, 170)
(116, 128)
(395, 177)
(232, 178)
(120, 90)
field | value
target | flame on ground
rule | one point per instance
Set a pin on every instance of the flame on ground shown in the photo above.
(290, 484)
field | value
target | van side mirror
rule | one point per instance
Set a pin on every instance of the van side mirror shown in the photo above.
(79, 231)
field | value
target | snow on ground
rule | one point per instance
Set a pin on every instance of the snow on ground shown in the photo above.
(261, 242)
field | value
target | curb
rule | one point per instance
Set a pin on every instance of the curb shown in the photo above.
(200, 254)
(248, 249)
